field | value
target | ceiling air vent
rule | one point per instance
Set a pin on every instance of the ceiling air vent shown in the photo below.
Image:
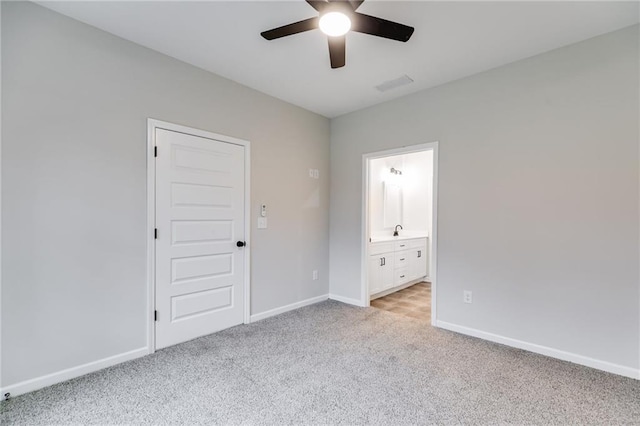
(392, 84)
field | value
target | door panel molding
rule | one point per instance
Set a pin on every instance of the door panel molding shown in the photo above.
(152, 126)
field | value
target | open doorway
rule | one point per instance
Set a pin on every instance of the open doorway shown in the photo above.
(399, 244)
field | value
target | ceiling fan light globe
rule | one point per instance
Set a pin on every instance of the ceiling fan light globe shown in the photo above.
(335, 24)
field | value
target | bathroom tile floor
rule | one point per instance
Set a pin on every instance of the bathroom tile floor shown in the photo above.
(414, 302)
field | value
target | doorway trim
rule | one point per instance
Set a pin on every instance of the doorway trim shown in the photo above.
(152, 125)
(433, 238)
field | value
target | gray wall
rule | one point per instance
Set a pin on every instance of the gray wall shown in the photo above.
(538, 196)
(75, 102)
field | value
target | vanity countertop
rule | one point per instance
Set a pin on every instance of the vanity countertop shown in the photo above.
(385, 238)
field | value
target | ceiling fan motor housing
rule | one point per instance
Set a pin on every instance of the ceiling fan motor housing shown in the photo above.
(338, 6)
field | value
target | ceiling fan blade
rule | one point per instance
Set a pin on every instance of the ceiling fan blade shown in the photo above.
(337, 51)
(355, 4)
(318, 5)
(295, 28)
(380, 27)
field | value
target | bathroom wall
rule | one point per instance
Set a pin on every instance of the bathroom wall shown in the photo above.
(417, 187)
(416, 183)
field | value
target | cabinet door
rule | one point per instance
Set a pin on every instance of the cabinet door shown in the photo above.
(380, 272)
(387, 271)
(425, 254)
(375, 274)
(419, 262)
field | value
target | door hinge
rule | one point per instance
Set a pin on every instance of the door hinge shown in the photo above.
(155, 315)
(155, 151)
(155, 233)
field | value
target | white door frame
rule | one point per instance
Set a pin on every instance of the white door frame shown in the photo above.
(433, 238)
(152, 125)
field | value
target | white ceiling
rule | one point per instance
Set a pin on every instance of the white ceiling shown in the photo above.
(452, 40)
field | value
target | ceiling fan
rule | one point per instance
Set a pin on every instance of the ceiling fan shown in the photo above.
(338, 17)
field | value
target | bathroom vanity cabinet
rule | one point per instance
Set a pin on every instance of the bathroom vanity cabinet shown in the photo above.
(396, 262)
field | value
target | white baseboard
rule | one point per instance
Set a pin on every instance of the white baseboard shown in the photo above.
(287, 308)
(71, 373)
(347, 300)
(544, 350)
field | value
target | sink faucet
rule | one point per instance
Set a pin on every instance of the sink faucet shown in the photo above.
(395, 231)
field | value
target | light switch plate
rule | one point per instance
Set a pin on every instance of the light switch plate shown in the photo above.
(262, 223)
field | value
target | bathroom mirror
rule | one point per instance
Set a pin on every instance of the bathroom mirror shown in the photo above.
(392, 205)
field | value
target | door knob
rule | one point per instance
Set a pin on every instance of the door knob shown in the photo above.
(241, 244)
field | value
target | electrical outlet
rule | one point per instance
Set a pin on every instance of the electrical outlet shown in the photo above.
(315, 275)
(311, 173)
(316, 174)
(467, 296)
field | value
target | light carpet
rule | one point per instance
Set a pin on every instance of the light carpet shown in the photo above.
(332, 363)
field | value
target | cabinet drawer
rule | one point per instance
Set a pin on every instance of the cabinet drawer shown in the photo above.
(402, 276)
(378, 248)
(401, 259)
(401, 245)
(417, 243)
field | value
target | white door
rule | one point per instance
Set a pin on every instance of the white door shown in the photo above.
(199, 220)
